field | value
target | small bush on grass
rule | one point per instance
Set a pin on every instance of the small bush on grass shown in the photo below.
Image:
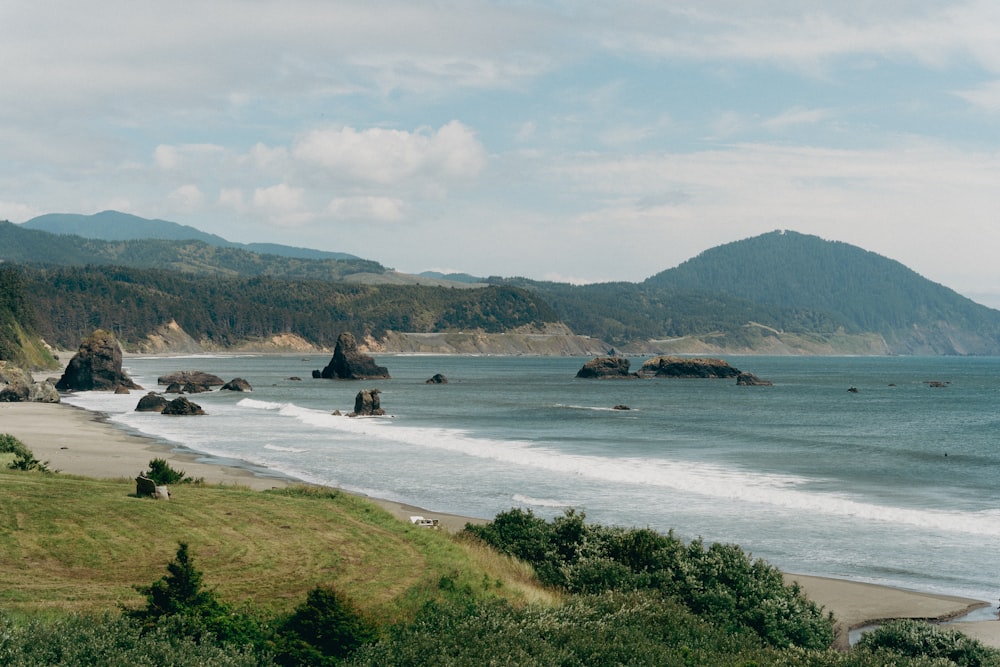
(23, 458)
(162, 474)
(11, 445)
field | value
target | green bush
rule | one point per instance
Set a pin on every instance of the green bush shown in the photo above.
(719, 582)
(322, 631)
(11, 445)
(180, 603)
(162, 474)
(111, 641)
(915, 638)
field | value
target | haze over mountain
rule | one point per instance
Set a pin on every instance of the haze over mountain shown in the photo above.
(117, 226)
(778, 293)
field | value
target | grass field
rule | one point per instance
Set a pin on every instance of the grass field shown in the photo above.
(77, 544)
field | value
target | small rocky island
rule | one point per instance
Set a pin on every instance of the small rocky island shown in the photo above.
(668, 367)
(349, 363)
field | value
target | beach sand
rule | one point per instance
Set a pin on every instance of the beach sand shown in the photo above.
(79, 442)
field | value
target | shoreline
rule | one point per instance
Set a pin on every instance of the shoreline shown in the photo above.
(76, 441)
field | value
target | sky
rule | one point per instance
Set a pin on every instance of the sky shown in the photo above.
(556, 140)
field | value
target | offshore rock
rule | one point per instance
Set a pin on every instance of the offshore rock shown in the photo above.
(237, 384)
(437, 378)
(745, 379)
(348, 363)
(97, 366)
(687, 367)
(367, 404)
(191, 377)
(182, 406)
(151, 402)
(605, 368)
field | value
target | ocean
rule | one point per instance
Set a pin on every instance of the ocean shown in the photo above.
(897, 483)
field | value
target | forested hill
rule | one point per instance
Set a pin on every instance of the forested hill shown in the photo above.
(861, 289)
(117, 226)
(18, 244)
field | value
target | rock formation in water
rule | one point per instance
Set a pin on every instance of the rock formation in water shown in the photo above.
(367, 404)
(687, 367)
(348, 363)
(606, 368)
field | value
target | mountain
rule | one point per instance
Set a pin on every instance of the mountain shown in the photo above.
(860, 290)
(25, 245)
(117, 226)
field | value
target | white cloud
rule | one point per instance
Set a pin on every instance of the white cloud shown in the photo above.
(985, 96)
(187, 197)
(795, 117)
(385, 156)
(282, 204)
(381, 209)
(17, 211)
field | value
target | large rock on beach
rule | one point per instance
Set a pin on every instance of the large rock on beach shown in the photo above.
(606, 368)
(97, 366)
(367, 404)
(348, 363)
(17, 384)
(687, 367)
(182, 406)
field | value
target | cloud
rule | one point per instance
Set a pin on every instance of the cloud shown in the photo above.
(385, 156)
(282, 204)
(795, 117)
(986, 96)
(187, 197)
(379, 209)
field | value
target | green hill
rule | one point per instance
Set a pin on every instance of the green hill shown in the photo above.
(859, 290)
(117, 226)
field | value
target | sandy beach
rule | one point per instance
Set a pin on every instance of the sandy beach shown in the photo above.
(78, 442)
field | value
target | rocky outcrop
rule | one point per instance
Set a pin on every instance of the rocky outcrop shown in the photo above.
(349, 363)
(745, 379)
(437, 378)
(17, 385)
(97, 366)
(151, 402)
(237, 384)
(367, 404)
(182, 406)
(191, 377)
(687, 367)
(605, 368)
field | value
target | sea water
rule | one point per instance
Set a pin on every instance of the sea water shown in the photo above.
(897, 483)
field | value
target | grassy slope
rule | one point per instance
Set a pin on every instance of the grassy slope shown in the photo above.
(76, 544)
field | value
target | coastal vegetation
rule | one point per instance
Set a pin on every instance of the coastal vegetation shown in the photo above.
(313, 576)
(781, 292)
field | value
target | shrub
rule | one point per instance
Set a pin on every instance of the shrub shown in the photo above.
(179, 602)
(323, 630)
(162, 474)
(721, 581)
(11, 445)
(918, 639)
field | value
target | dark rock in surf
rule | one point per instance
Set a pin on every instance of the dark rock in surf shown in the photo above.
(237, 384)
(151, 402)
(367, 404)
(437, 378)
(182, 406)
(191, 377)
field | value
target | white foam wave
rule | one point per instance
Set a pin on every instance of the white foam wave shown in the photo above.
(740, 487)
(290, 450)
(539, 502)
(592, 408)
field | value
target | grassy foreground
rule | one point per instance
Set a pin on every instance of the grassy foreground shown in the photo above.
(71, 544)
